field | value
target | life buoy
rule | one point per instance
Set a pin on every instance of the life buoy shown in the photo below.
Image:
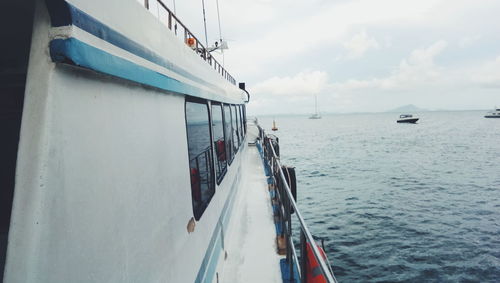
(313, 270)
(190, 42)
(195, 184)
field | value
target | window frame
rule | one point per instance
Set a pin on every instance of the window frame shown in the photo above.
(231, 147)
(242, 133)
(213, 178)
(236, 144)
(224, 171)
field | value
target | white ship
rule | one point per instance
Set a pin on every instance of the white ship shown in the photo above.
(127, 156)
(493, 114)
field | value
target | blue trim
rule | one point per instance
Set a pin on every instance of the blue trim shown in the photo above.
(81, 54)
(63, 14)
(209, 264)
(285, 272)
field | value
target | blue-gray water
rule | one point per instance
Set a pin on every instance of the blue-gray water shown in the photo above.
(400, 202)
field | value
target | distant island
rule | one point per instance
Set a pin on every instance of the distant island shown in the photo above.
(410, 108)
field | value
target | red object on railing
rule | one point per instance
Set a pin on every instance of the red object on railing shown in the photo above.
(314, 274)
(191, 42)
(195, 184)
(221, 150)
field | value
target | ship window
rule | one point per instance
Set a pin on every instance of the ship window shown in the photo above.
(219, 141)
(200, 156)
(244, 114)
(235, 128)
(240, 124)
(228, 130)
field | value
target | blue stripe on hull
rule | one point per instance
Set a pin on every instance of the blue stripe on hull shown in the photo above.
(81, 54)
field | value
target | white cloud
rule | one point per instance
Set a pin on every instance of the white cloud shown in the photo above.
(487, 75)
(359, 44)
(326, 26)
(284, 94)
(417, 70)
(468, 41)
(302, 84)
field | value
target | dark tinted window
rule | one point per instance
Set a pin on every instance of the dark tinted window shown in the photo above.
(228, 130)
(244, 117)
(219, 141)
(235, 127)
(240, 123)
(200, 156)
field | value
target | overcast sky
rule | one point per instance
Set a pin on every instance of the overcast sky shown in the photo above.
(357, 55)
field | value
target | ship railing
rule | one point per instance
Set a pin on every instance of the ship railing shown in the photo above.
(166, 16)
(287, 208)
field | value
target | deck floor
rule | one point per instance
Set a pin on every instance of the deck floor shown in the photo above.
(251, 242)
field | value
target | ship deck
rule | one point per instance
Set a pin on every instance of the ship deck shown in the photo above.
(251, 246)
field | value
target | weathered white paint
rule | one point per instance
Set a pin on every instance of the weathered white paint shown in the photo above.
(102, 183)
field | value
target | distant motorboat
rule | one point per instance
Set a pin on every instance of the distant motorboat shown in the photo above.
(407, 118)
(493, 114)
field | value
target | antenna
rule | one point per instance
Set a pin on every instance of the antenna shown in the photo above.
(205, 22)
(220, 34)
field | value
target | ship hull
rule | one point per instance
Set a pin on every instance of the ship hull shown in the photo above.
(410, 121)
(102, 183)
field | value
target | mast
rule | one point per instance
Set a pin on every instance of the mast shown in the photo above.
(316, 104)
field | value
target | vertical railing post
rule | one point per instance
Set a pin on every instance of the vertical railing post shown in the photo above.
(289, 235)
(146, 4)
(169, 20)
(303, 257)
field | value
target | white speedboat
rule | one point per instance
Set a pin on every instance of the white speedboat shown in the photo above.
(407, 118)
(493, 114)
(125, 154)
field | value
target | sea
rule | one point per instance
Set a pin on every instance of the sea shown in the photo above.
(399, 202)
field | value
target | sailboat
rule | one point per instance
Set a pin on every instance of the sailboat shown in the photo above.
(274, 128)
(316, 115)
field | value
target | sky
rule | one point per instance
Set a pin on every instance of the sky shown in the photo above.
(356, 55)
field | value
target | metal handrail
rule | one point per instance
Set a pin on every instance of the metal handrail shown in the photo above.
(205, 154)
(305, 233)
(199, 48)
